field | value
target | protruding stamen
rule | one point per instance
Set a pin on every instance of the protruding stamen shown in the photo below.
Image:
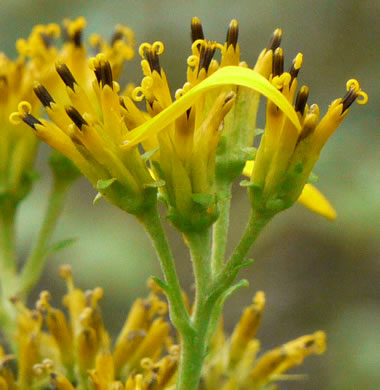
(278, 62)
(30, 120)
(275, 40)
(206, 54)
(154, 62)
(301, 99)
(296, 66)
(196, 29)
(76, 117)
(43, 95)
(353, 92)
(232, 33)
(65, 74)
(46, 39)
(116, 36)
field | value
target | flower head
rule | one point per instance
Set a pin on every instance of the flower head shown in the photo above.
(286, 155)
(35, 67)
(207, 109)
(68, 352)
(100, 131)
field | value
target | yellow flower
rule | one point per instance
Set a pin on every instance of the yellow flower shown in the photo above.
(100, 131)
(186, 133)
(37, 56)
(310, 197)
(75, 352)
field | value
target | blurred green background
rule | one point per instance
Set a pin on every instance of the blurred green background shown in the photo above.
(316, 274)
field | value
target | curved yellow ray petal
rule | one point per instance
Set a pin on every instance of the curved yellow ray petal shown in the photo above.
(315, 201)
(310, 197)
(229, 75)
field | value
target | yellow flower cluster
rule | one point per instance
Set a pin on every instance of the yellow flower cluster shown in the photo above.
(37, 56)
(76, 352)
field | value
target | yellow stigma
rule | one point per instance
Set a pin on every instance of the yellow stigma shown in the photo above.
(354, 84)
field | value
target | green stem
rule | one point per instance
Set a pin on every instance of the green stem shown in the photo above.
(193, 348)
(34, 265)
(8, 259)
(9, 281)
(226, 277)
(220, 228)
(178, 312)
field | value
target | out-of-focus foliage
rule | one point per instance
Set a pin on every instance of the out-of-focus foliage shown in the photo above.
(316, 274)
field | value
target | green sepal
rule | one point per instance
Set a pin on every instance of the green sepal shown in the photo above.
(147, 155)
(103, 184)
(155, 184)
(259, 132)
(250, 152)
(97, 198)
(121, 196)
(313, 178)
(246, 183)
(204, 200)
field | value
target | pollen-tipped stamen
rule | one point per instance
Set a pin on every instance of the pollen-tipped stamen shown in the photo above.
(76, 117)
(275, 41)
(349, 98)
(232, 33)
(30, 120)
(295, 67)
(153, 60)
(196, 29)
(278, 62)
(206, 54)
(43, 95)
(301, 99)
(65, 74)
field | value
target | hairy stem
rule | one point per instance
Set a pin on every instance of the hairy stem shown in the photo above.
(220, 228)
(178, 312)
(34, 265)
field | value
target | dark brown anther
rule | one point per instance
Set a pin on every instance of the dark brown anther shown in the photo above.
(65, 75)
(122, 103)
(232, 33)
(348, 99)
(76, 38)
(154, 62)
(116, 36)
(3, 80)
(31, 120)
(206, 54)
(278, 62)
(293, 71)
(106, 74)
(46, 40)
(43, 95)
(275, 40)
(76, 117)
(301, 99)
(196, 29)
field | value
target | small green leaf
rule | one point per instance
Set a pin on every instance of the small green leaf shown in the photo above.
(161, 283)
(259, 131)
(104, 184)
(61, 245)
